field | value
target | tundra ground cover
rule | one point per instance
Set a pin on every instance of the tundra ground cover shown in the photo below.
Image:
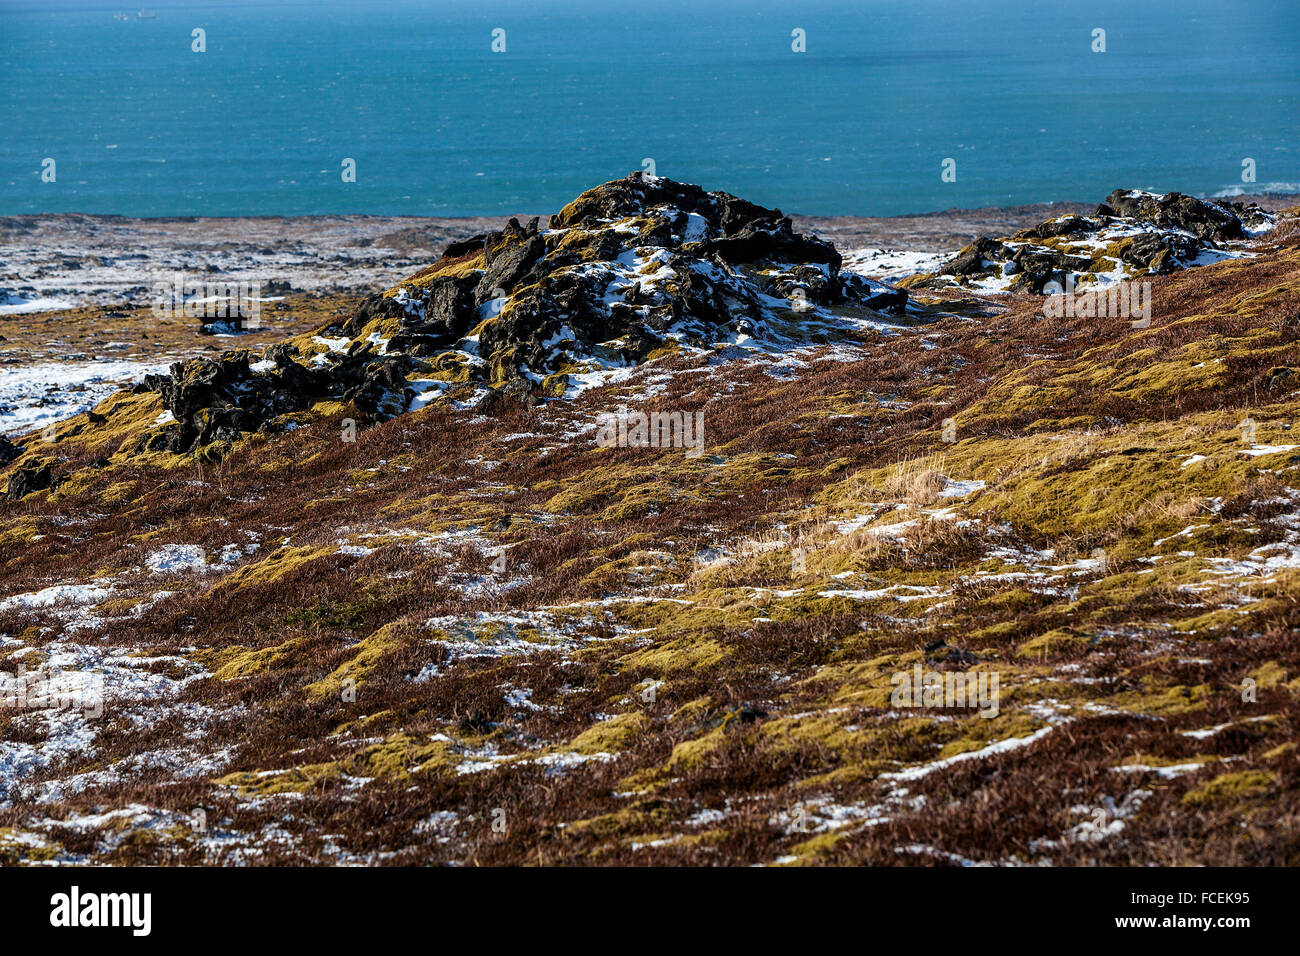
(481, 637)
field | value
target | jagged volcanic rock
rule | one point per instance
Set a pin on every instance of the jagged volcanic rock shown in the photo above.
(629, 268)
(1132, 234)
(1218, 221)
(215, 400)
(620, 271)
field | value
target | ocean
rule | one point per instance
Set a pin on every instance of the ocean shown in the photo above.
(710, 91)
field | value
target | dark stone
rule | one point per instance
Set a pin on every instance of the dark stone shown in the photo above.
(216, 399)
(771, 241)
(508, 258)
(974, 259)
(415, 344)
(450, 310)
(1202, 218)
(874, 295)
(1158, 252)
(639, 342)
(1060, 226)
(636, 194)
(382, 391)
(28, 480)
(372, 307)
(513, 396)
(812, 282)
(463, 247)
(1033, 267)
(282, 353)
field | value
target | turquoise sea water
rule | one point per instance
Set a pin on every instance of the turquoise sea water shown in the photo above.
(438, 124)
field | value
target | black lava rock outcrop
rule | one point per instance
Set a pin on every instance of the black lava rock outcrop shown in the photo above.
(215, 400)
(629, 268)
(1132, 234)
(619, 272)
(1215, 220)
(8, 450)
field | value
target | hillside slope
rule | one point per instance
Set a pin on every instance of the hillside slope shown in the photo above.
(335, 621)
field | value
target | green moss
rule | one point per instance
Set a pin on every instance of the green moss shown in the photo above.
(331, 614)
(236, 662)
(980, 732)
(628, 821)
(1164, 701)
(1051, 644)
(276, 565)
(808, 851)
(1230, 788)
(1155, 760)
(366, 656)
(611, 736)
(692, 753)
(683, 654)
(272, 782)
(401, 756)
(395, 760)
(1269, 675)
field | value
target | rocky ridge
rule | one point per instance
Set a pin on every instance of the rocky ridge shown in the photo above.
(1131, 235)
(631, 269)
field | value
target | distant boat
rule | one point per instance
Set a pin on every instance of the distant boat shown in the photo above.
(146, 15)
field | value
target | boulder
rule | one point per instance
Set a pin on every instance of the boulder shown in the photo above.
(1060, 226)
(8, 450)
(1160, 252)
(975, 258)
(1133, 233)
(27, 480)
(1201, 218)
